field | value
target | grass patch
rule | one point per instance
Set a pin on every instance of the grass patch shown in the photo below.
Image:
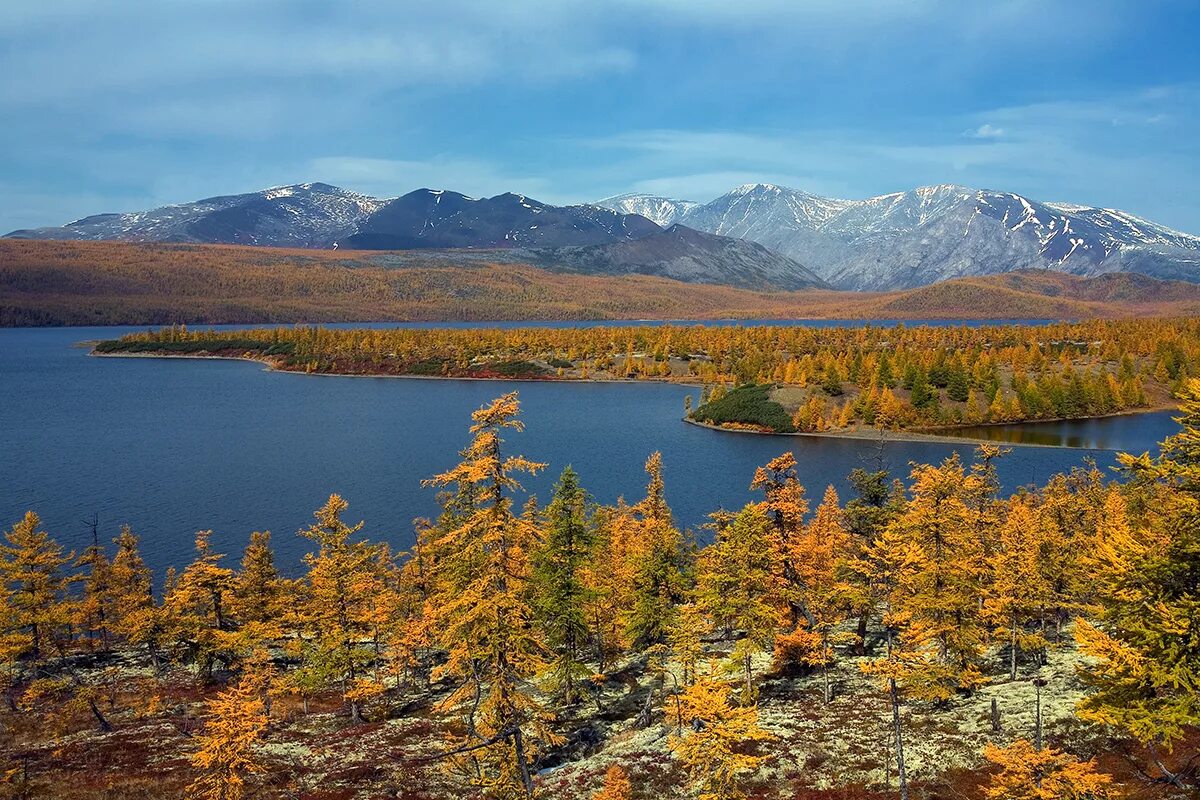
(747, 405)
(513, 369)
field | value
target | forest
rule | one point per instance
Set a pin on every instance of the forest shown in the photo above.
(927, 637)
(769, 378)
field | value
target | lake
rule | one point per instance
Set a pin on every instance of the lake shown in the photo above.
(173, 446)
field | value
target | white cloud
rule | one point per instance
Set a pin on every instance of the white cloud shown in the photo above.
(986, 131)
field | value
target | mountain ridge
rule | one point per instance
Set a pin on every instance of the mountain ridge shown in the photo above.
(932, 233)
(894, 241)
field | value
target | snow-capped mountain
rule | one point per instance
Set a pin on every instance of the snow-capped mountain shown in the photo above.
(302, 215)
(929, 234)
(894, 241)
(663, 211)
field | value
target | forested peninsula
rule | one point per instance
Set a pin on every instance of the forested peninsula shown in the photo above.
(928, 638)
(777, 379)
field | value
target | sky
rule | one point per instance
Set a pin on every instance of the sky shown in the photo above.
(123, 105)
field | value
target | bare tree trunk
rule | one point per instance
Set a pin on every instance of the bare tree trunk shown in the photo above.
(900, 771)
(105, 727)
(522, 762)
(1012, 656)
(1169, 776)
(749, 678)
(825, 672)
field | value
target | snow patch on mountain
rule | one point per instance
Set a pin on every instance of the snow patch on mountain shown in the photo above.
(663, 211)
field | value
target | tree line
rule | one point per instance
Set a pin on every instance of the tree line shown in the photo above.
(933, 587)
(837, 377)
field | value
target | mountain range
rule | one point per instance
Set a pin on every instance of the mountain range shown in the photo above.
(933, 233)
(757, 236)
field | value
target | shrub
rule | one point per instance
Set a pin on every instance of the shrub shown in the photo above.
(747, 405)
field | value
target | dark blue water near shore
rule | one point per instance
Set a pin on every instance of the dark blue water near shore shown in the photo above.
(172, 446)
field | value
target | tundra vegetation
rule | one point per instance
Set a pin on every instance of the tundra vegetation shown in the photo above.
(147, 283)
(769, 378)
(927, 638)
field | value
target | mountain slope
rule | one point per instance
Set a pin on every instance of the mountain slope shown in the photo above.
(663, 211)
(688, 255)
(933, 233)
(429, 218)
(1044, 294)
(302, 215)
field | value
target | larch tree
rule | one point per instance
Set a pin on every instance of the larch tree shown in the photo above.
(616, 785)
(93, 610)
(940, 598)
(195, 606)
(608, 576)
(33, 584)
(485, 619)
(1027, 773)
(739, 586)
(136, 618)
(227, 746)
(876, 502)
(1145, 639)
(659, 564)
(560, 594)
(719, 732)
(821, 566)
(1018, 589)
(337, 603)
(786, 507)
(258, 590)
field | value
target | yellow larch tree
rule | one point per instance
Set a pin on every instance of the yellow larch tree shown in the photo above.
(1018, 589)
(714, 751)
(484, 617)
(616, 785)
(195, 607)
(1143, 637)
(336, 615)
(227, 746)
(821, 560)
(1026, 773)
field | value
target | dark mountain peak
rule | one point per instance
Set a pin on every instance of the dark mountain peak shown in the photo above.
(685, 254)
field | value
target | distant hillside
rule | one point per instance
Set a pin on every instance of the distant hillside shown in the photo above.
(108, 283)
(97, 283)
(685, 255)
(1045, 294)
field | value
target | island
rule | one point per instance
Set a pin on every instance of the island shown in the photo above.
(765, 378)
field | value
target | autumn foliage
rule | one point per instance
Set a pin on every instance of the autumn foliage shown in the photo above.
(511, 639)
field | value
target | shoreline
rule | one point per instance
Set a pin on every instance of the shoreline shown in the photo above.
(924, 436)
(270, 367)
(867, 435)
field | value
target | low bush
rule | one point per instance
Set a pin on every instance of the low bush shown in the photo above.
(747, 405)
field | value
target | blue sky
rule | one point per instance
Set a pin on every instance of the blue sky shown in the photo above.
(120, 105)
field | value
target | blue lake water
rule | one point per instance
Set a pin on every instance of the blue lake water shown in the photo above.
(173, 446)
